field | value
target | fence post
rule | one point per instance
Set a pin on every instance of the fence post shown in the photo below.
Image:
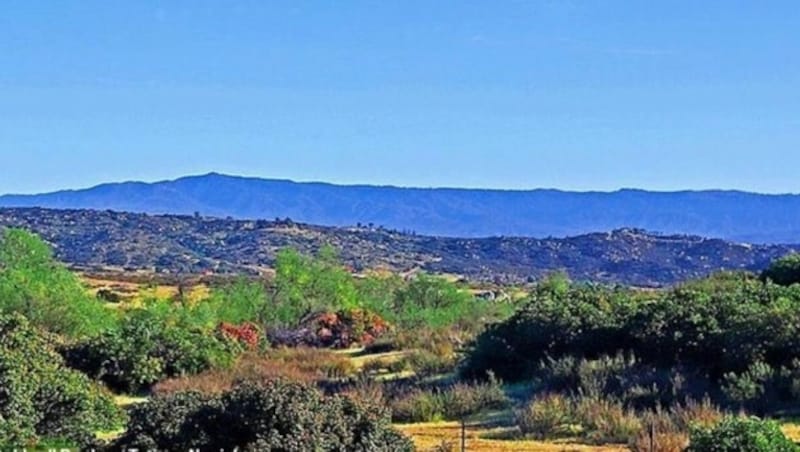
(463, 435)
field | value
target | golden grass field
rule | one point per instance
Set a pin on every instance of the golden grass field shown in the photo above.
(428, 436)
(132, 293)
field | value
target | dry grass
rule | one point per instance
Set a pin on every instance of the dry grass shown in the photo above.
(297, 364)
(132, 293)
(125, 401)
(792, 431)
(428, 436)
(359, 361)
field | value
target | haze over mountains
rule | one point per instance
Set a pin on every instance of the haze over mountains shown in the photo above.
(731, 215)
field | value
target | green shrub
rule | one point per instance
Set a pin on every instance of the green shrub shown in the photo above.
(425, 363)
(712, 328)
(581, 321)
(238, 302)
(621, 376)
(161, 422)
(40, 398)
(748, 387)
(455, 402)
(463, 400)
(274, 415)
(417, 405)
(737, 434)
(33, 284)
(148, 348)
(547, 416)
(784, 271)
(305, 285)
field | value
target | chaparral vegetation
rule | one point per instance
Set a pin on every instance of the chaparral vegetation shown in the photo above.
(317, 357)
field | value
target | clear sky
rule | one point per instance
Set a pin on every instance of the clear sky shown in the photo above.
(510, 94)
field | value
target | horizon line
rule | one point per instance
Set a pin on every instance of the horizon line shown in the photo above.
(400, 187)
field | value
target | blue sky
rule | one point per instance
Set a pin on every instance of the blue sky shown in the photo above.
(586, 95)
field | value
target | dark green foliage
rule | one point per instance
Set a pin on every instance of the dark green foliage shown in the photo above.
(271, 416)
(736, 434)
(718, 326)
(32, 283)
(762, 387)
(622, 377)
(40, 398)
(579, 321)
(784, 271)
(148, 347)
(175, 422)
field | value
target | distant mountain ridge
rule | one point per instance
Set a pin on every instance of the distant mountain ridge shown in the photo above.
(731, 215)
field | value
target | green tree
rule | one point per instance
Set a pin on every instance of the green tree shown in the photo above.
(34, 284)
(436, 302)
(736, 434)
(241, 301)
(160, 341)
(784, 271)
(308, 284)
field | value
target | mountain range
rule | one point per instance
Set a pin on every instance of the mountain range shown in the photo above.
(452, 212)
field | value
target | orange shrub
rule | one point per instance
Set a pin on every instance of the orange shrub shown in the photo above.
(246, 334)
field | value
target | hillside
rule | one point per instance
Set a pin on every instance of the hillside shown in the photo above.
(194, 244)
(736, 216)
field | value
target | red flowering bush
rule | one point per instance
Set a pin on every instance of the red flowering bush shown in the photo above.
(339, 330)
(246, 334)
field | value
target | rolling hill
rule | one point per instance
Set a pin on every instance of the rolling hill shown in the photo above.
(731, 215)
(101, 240)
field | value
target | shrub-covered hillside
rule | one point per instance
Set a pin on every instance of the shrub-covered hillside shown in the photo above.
(189, 244)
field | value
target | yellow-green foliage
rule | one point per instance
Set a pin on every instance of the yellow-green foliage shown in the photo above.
(32, 283)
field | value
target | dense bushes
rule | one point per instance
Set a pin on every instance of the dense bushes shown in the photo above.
(736, 434)
(784, 271)
(148, 347)
(581, 321)
(315, 301)
(623, 377)
(717, 327)
(41, 399)
(32, 283)
(274, 415)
